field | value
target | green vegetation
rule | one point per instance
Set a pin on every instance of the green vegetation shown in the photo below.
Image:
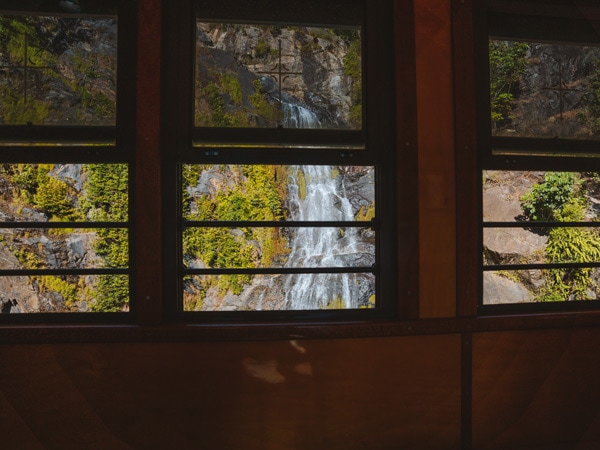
(507, 63)
(262, 49)
(546, 199)
(594, 110)
(255, 197)
(107, 199)
(560, 197)
(104, 198)
(24, 101)
(271, 113)
(353, 69)
(15, 108)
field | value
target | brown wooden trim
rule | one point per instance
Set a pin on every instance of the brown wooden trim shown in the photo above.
(467, 195)
(407, 161)
(466, 404)
(147, 196)
(47, 334)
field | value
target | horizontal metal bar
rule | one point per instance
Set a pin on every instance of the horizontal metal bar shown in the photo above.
(43, 272)
(279, 270)
(540, 224)
(64, 225)
(278, 224)
(499, 267)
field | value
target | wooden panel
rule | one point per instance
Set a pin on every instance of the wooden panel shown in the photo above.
(343, 394)
(147, 213)
(536, 390)
(436, 159)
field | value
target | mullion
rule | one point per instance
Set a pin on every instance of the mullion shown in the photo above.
(283, 270)
(279, 224)
(41, 272)
(44, 225)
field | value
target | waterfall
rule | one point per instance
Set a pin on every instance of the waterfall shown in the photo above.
(316, 247)
(312, 247)
(298, 116)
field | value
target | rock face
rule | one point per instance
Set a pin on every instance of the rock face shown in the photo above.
(297, 66)
(502, 193)
(71, 77)
(555, 96)
(330, 194)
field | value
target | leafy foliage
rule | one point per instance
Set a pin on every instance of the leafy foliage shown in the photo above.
(507, 64)
(254, 197)
(546, 199)
(353, 69)
(560, 197)
(107, 199)
(572, 245)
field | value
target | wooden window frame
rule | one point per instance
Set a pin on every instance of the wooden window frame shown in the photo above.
(151, 132)
(560, 21)
(39, 144)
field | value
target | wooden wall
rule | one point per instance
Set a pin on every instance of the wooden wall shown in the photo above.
(516, 388)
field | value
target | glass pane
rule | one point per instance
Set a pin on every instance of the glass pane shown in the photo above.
(64, 294)
(533, 286)
(61, 248)
(532, 196)
(280, 193)
(277, 192)
(528, 197)
(278, 76)
(279, 292)
(63, 192)
(278, 247)
(57, 70)
(544, 90)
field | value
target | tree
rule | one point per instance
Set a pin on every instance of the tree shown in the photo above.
(507, 63)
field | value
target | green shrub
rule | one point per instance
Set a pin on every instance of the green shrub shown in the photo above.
(545, 200)
(570, 245)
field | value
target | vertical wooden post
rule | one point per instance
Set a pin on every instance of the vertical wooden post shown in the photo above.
(147, 211)
(435, 114)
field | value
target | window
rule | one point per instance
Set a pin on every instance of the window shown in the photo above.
(65, 153)
(280, 162)
(268, 193)
(538, 134)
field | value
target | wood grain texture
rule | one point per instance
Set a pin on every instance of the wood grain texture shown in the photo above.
(435, 113)
(342, 394)
(536, 390)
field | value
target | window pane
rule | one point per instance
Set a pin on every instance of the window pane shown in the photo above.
(57, 70)
(246, 247)
(278, 76)
(61, 248)
(275, 192)
(535, 286)
(532, 196)
(544, 90)
(63, 192)
(279, 292)
(279, 194)
(534, 202)
(64, 294)
(59, 196)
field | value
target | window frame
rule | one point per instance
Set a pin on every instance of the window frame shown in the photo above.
(376, 134)
(85, 144)
(154, 52)
(557, 22)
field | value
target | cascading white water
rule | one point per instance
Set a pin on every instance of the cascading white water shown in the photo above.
(298, 116)
(311, 247)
